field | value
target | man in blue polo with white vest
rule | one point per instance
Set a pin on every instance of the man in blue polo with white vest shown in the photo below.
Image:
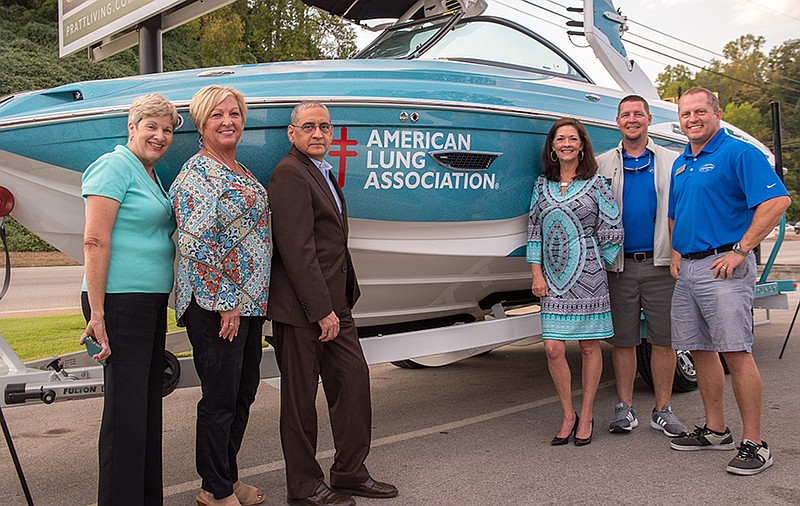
(639, 279)
(724, 200)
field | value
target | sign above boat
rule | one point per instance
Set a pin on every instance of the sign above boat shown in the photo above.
(110, 27)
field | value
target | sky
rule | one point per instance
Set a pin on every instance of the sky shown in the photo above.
(707, 24)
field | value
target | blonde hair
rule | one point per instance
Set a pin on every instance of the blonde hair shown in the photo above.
(207, 98)
(152, 105)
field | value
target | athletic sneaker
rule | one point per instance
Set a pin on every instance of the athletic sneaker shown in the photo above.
(704, 438)
(624, 418)
(751, 459)
(666, 421)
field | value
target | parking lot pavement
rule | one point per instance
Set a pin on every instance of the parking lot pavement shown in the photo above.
(475, 432)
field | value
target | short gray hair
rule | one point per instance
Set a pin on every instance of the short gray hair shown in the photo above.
(152, 105)
(306, 104)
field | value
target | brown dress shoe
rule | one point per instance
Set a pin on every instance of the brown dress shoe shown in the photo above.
(370, 488)
(324, 496)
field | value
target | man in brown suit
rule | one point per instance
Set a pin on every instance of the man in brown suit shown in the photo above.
(312, 292)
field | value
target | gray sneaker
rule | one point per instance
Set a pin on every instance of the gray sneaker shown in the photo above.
(624, 419)
(666, 421)
(751, 459)
(703, 438)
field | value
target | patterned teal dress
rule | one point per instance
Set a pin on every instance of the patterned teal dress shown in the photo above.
(571, 235)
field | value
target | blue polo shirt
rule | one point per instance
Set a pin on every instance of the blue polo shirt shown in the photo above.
(713, 195)
(638, 202)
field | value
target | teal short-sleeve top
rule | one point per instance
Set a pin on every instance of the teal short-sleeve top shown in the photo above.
(142, 251)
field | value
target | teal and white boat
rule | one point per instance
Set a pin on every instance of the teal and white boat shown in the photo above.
(439, 126)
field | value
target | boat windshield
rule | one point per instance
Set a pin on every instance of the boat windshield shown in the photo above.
(484, 40)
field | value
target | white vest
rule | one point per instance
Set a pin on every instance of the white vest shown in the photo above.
(610, 166)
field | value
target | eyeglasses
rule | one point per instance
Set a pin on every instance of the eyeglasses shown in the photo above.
(643, 167)
(325, 128)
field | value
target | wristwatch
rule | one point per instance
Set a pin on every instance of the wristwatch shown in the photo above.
(737, 248)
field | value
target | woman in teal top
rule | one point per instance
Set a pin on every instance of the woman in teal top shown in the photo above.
(129, 256)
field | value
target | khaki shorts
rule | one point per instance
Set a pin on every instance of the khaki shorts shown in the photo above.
(641, 286)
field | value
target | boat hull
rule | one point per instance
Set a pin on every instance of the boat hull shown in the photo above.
(427, 240)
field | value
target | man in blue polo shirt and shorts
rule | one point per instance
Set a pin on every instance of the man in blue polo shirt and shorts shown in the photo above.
(724, 200)
(639, 279)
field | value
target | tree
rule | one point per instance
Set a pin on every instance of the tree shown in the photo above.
(672, 79)
(29, 51)
(748, 118)
(250, 31)
(783, 78)
(746, 81)
(286, 30)
(220, 37)
(745, 64)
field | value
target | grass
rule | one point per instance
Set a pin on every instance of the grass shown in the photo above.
(47, 336)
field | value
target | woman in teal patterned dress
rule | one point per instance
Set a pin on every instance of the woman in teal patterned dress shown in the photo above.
(574, 225)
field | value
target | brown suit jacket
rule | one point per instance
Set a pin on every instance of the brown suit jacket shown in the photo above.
(312, 273)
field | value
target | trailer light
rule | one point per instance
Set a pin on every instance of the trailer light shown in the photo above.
(6, 201)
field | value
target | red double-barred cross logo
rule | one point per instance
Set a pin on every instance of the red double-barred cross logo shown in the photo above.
(343, 153)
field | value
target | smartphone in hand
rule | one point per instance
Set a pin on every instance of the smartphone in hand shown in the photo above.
(93, 347)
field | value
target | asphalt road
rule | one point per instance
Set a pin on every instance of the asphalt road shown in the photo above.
(36, 291)
(471, 433)
(789, 253)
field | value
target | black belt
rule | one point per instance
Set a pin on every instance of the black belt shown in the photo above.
(699, 255)
(639, 256)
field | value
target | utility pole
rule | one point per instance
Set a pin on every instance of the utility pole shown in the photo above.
(150, 57)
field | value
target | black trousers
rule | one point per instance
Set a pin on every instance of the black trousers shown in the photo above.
(302, 359)
(229, 374)
(130, 432)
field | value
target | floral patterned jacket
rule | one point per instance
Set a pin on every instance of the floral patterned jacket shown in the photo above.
(223, 238)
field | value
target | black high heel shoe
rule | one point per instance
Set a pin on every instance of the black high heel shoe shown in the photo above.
(560, 441)
(579, 441)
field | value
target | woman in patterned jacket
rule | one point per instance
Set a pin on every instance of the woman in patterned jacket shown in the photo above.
(221, 287)
(574, 227)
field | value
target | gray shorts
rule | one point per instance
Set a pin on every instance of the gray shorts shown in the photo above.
(713, 314)
(641, 286)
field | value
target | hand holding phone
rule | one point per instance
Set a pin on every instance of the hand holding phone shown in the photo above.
(92, 347)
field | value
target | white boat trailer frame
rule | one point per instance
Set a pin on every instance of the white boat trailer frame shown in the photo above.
(75, 376)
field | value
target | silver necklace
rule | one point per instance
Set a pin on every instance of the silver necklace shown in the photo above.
(219, 161)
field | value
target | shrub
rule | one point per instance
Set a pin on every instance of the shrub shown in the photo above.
(22, 239)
